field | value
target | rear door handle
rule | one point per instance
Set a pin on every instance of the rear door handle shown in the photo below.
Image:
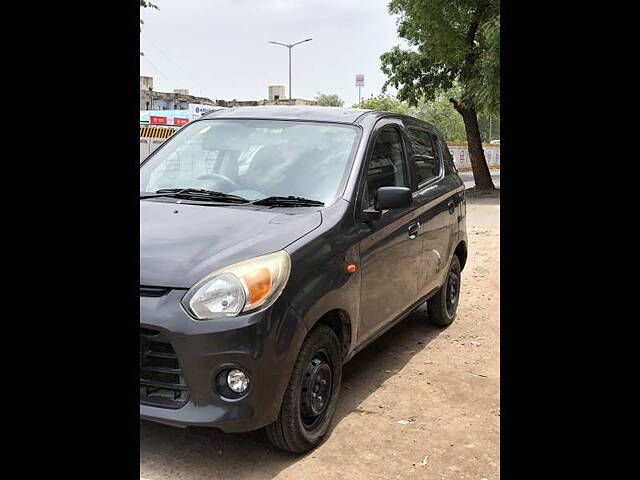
(451, 205)
(413, 230)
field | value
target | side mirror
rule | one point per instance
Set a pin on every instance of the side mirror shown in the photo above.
(388, 198)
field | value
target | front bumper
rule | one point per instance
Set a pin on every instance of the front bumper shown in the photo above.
(263, 344)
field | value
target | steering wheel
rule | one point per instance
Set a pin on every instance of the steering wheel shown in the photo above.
(217, 176)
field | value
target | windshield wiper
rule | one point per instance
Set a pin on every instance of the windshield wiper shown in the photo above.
(196, 194)
(289, 201)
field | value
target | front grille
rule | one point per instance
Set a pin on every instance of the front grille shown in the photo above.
(161, 380)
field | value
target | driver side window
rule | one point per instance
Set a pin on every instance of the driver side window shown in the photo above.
(386, 165)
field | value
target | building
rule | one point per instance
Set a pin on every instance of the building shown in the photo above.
(295, 101)
(276, 92)
(146, 83)
(181, 100)
(178, 100)
(253, 103)
(276, 96)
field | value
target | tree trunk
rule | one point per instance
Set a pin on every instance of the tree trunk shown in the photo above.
(481, 174)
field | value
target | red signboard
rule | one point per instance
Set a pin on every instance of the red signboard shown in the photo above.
(180, 121)
(157, 120)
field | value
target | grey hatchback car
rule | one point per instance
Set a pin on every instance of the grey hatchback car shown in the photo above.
(275, 244)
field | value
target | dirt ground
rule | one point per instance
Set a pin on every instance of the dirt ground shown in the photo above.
(419, 402)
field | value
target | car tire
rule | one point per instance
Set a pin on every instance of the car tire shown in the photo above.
(304, 420)
(442, 307)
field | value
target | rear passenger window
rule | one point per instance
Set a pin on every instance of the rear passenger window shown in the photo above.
(386, 166)
(425, 154)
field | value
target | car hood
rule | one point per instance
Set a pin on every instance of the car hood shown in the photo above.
(181, 243)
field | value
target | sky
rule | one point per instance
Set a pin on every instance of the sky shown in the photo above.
(219, 48)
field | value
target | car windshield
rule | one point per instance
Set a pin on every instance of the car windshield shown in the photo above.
(254, 159)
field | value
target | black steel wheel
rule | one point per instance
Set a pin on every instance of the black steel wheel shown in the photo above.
(442, 307)
(310, 400)
(316, 391)
(453, 290)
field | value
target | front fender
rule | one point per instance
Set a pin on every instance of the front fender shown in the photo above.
(319, 281)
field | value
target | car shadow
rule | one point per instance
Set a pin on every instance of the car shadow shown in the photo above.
(195, 453)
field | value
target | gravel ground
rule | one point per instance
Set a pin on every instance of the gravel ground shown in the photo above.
(419, 402)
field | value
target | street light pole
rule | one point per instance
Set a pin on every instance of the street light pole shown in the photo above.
(290, 46)
(289, 73)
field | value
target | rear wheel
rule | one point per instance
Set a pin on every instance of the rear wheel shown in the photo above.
(310, 399)
(443, 305)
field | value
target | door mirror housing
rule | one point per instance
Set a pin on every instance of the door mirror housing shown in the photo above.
(389, 198)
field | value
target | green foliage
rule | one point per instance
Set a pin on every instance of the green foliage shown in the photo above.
(326, 100)
(489, 124)
(383, 102)
(441, 113)
(485, 88)
(450, 41)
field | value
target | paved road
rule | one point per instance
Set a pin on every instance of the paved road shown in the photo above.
(467, 178)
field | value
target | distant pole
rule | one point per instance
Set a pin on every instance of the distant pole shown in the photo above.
(289, 73)
(290, 46)
(359, 84)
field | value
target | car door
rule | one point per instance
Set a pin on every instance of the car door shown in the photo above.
(435, 200)
(389, 251)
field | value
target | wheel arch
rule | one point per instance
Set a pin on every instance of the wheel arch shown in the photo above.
(461, 252)
(338, 320)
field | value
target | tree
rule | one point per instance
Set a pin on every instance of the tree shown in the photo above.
(385, 103)
(485, 88)
(441, 113)
(489, 125)
(452, 42)
(332, 100)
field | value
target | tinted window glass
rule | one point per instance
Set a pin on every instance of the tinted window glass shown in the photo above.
(448, 159)
(425, 154)
(386, 166)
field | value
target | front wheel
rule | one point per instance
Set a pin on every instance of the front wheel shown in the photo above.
(441, 308)
(310, 399)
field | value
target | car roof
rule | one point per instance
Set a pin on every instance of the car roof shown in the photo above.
(294, 112)
(310, 113)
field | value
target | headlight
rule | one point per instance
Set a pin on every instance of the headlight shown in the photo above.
(242, 287)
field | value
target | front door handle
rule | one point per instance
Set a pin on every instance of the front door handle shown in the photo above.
(451, 206)
(413, 230)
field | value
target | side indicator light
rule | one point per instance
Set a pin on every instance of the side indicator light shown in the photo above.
(351, 268)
